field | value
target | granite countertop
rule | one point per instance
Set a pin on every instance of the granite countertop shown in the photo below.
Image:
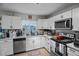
(65, 41)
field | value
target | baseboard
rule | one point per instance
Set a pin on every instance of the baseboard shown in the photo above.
(19, 52)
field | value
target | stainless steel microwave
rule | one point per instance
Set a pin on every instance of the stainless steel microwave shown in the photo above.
(64, 24)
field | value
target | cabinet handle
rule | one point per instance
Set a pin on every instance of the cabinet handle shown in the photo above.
(11, 26)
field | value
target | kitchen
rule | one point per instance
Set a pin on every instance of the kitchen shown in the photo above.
(39, 29)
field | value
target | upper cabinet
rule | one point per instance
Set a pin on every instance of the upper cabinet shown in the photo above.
(67, 14)
(10, 22)
(75, 18)
(52, 24)
(39, 24)
(6, 22)
(42, 24)
(16, 22)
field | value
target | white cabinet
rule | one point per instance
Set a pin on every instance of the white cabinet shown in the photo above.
(39, 24)
(52, 22)
(38, 42)
(16, 22)
(6, 22)
(42, 41)
(64, 15)
(47, 44)
(35, 42)
(67, 14)
(75, 18)
(72, 52)
(52, 45)
(8, 47)
(1, 48)
(43, 24)
(29, 44)
(11, 22)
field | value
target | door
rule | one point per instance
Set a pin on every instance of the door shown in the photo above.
(35, 42)
(1, 48)
(47, 44)
(6, 22)
(29, 43)
(39, 24)
(52, 45)
(8, 47)
(66, 14)
(75, 17)
(16, 22)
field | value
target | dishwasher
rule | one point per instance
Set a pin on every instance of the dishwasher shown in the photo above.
(19, 45)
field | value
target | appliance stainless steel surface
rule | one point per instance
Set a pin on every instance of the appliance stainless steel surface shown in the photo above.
(76, 41)
(64, 24)
(19, 45)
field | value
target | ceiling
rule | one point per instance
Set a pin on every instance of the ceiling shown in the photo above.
(33, 8)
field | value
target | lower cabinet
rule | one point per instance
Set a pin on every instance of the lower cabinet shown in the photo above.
(29, 44)
(47, 44)
(8, 47)
(52, 45)
(32, 43)
(1, 48)
(72, 52)
(38, 42)
(35, 43)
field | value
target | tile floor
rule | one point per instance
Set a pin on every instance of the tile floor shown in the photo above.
(38, 52)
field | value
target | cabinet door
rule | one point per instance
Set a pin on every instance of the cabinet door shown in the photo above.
(42, 42)
(52, 45)
(52, 22)
(6, 22)
(58, 17)
(1, 48)
(39, 24)
(75, 17)
(8, 47)
(36, 42)
(67, 14)
(29, 44)
(16, 22)
(47, 44)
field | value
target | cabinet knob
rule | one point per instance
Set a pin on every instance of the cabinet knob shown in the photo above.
(11, 26)
(62, 16)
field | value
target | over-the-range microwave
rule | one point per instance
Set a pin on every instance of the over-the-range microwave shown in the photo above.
(64, 24)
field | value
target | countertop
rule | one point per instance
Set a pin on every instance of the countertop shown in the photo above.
(65, 41)
(25, 37)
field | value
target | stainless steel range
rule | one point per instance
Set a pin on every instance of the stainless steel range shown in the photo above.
(76, 41)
